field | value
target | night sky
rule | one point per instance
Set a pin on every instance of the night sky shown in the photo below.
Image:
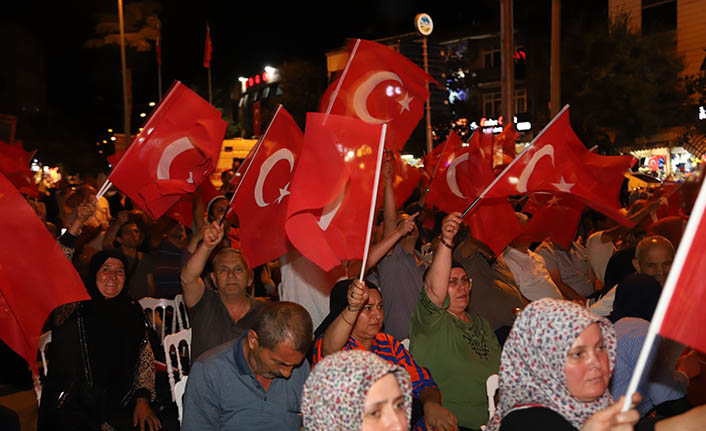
(59, 87)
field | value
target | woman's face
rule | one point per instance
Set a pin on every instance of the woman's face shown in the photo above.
(384, 406)
(370, 319)
(587, 366)
(459, 290)
(111, 278)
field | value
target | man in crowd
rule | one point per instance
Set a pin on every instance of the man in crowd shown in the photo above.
(256, 381)
(221, 314)
(140, 265)
(653, 257)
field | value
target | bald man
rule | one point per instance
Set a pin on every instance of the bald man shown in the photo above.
(653, 256)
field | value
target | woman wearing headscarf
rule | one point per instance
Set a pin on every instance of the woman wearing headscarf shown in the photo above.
(554, 372)
(356, 390)
(102, 366)
(662, 387)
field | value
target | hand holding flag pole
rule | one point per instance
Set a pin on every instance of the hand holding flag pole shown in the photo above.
(373, 200)
(507, 168)
(680, 278)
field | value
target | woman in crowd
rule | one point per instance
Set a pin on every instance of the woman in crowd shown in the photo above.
(101, 373)
(356, 390)
(460, 350)
(554, 373)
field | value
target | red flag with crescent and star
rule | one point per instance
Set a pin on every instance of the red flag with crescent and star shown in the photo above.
(14, 164)
(177, 149)
(261, 201)
(379, 85)
(406, 179)
(543, 224)
(444, 190)
(558, 162)
(331, 189)
(28, 295)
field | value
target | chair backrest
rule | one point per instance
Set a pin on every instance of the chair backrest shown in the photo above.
(405, 343)
(155, 303)
(181, 313)
(491, 386)
(44, 341)
(179, 395)
(175, 341)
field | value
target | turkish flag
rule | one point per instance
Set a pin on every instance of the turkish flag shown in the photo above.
(261, 201)
(432, 158)
(177, 149)
(379, 86)
(685, 289)
(557, 218)
(14, 164)
(208, 49)
(558, 162)
(332, 188)
(182, 211)
(444, 191)
(33, 280)
(504, 146)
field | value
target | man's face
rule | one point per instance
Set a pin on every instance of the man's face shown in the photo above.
(655, 261)
(231, 274)
(130, 235)
(272, 363)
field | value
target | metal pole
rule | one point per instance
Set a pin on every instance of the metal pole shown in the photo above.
(210, 91)
(507, 66)
(555, 84)
(126, 109)
(428, 103)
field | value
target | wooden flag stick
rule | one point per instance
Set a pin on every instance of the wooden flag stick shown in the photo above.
(104, 188)
(666, 296)
(340, 81)
(254, 150)
(373, 200)
(519, 156)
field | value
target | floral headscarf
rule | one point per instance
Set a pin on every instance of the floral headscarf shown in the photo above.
(534, 356)
(335, 391)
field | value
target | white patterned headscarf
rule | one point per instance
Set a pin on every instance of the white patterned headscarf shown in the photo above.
(534, 356)
(334, 393)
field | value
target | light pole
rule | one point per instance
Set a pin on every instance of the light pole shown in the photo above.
(425, 26)
(126, 109)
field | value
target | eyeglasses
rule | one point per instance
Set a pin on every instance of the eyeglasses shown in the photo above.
(453, 282)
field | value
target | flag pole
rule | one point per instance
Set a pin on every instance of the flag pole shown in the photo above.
(667, 293)
(373, 200)
(104, 188)
(256, 148)
(512, 163)
(340, 81)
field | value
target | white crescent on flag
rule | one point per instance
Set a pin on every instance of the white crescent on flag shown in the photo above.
(360, 98)
(527, 171)
(281, 154)
(451, 175)
(330, 210)
(169, 154)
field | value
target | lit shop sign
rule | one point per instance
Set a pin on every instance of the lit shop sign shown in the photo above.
(270, 74)
(702, 113)
(496, 125)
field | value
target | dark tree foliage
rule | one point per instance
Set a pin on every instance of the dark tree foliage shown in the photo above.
(621, 86)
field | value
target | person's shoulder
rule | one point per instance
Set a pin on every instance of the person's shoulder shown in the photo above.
(537, 418)
(217, 355)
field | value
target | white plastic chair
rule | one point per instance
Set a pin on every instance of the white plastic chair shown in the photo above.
(179, 394)
(44, 341)
(156, 303)
(405, 343)
(181, 313)
(491, 386)
(175, 341)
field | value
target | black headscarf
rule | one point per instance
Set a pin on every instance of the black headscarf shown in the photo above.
(337, 303)
(636, 296)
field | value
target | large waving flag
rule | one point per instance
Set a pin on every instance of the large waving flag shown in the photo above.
(444, 190)
(263, 193)
(177, 149)
(556, 218)
(28, 295)
(331, 189)
(14, 164)
(379, 86)
(557, 162)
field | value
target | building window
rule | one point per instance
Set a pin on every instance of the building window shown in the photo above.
(659, 16)
(491, 59)
(492, 103)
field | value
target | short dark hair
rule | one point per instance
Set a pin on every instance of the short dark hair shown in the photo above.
(126, 224)
(282, 321)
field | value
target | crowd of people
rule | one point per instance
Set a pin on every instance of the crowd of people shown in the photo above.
(411, 346)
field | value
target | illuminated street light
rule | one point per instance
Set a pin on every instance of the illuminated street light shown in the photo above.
(151, 104)
(143, 115)
(110, 130)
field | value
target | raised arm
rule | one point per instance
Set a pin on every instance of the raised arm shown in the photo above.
(191, 282)
(436, 281)
(340, 329)
(112, 232)
(380, 249)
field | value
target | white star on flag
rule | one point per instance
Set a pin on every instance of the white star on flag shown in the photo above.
(404, 103)
(283, 192)
(563, 186)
